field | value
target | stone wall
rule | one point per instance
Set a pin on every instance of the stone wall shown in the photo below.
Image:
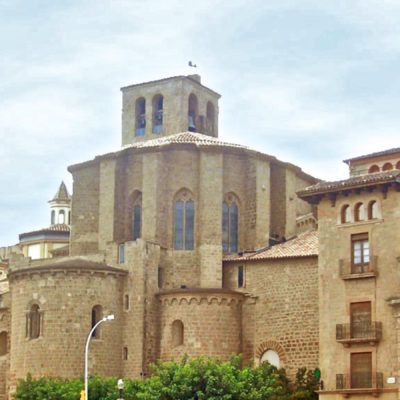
(211, 321)
(281, 313)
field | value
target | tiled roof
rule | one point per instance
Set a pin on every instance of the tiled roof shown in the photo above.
(198, 139)
(304, 245)
(62, 194)
(376, 154)
(353, 182)
(52, 228)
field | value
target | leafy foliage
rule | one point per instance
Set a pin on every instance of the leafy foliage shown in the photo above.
(190, 379)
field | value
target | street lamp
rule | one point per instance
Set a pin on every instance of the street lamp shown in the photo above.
(107, 318)
(120, 385)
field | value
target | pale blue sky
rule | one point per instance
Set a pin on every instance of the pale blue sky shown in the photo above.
(310, 81)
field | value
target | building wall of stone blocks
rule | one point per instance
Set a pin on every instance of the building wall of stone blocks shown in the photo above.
(282, 309)
(211, 320)
(336, 294)
(175, 107)
(5, 327)
(85, 210)
(66, 299)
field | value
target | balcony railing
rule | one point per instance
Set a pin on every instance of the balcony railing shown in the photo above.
(359, 380)
(349, 271)
(359, 332)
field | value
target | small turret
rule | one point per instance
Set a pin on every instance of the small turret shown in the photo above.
(60, 206)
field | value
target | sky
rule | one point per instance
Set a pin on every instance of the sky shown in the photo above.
(311, 82)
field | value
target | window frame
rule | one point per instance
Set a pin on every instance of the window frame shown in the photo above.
(363, 265)
(184, 223)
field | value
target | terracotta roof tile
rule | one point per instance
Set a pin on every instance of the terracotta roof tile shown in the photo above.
(304, 245)
(353, 182)
(198, 139)
(52, 228)
(376, 154)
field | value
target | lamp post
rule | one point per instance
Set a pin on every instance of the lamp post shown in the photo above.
(107, 318)
(120, 385)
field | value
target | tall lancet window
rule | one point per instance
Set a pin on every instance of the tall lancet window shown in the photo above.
(140, 117)
(192, 113)
(137, 216)
(184, 222)
(230, 224)
(157, 113)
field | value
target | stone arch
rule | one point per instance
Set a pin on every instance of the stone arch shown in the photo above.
(387, 166)
(373, 168)
(177, 333)
(271, 345)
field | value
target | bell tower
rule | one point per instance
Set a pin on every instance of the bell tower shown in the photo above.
(168, 106)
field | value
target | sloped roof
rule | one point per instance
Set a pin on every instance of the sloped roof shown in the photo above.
(376, 154)
(51, 229)
(351, 183)
(303, 245)
(62, 194)
(198, 139)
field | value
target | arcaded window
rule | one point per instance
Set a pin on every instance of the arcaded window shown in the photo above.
(177, 333)
(121, 253)
(184, 222)
(53, 217)
(210, 121)
(373, 168)
(136, 216)
(157, 113)
(360, 253)
(97, 315)
(192, 113)
(3, 343)
(345, 214)
(372, 210)
(230, 224)
(140, 117)
(61, 217)
(33, 322)
(272, 357)
(398, 165)
(359, 212)
(387, 167)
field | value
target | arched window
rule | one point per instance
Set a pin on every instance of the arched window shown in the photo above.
(184, 222)
(230, 222)
(69, 217)
(61, 217)
(3, 343)
(192, 113)
(272, 357)
(398, 165)
(210, 127)
(372, 210)
(373, 168)
(345, 214)
(177, 333)
(126, 302)
(387, 166)
(97, 315)
(53, 217)
(140, 117)
(34, 318)
(157, 113)
(359, 212)
(137, 216)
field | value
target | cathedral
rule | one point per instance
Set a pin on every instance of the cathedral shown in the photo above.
(204, 247)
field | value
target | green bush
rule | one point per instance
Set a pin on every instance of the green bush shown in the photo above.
(190, 379)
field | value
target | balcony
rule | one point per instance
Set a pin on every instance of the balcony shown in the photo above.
(359, 383)
(360, 332)
(349, 271)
